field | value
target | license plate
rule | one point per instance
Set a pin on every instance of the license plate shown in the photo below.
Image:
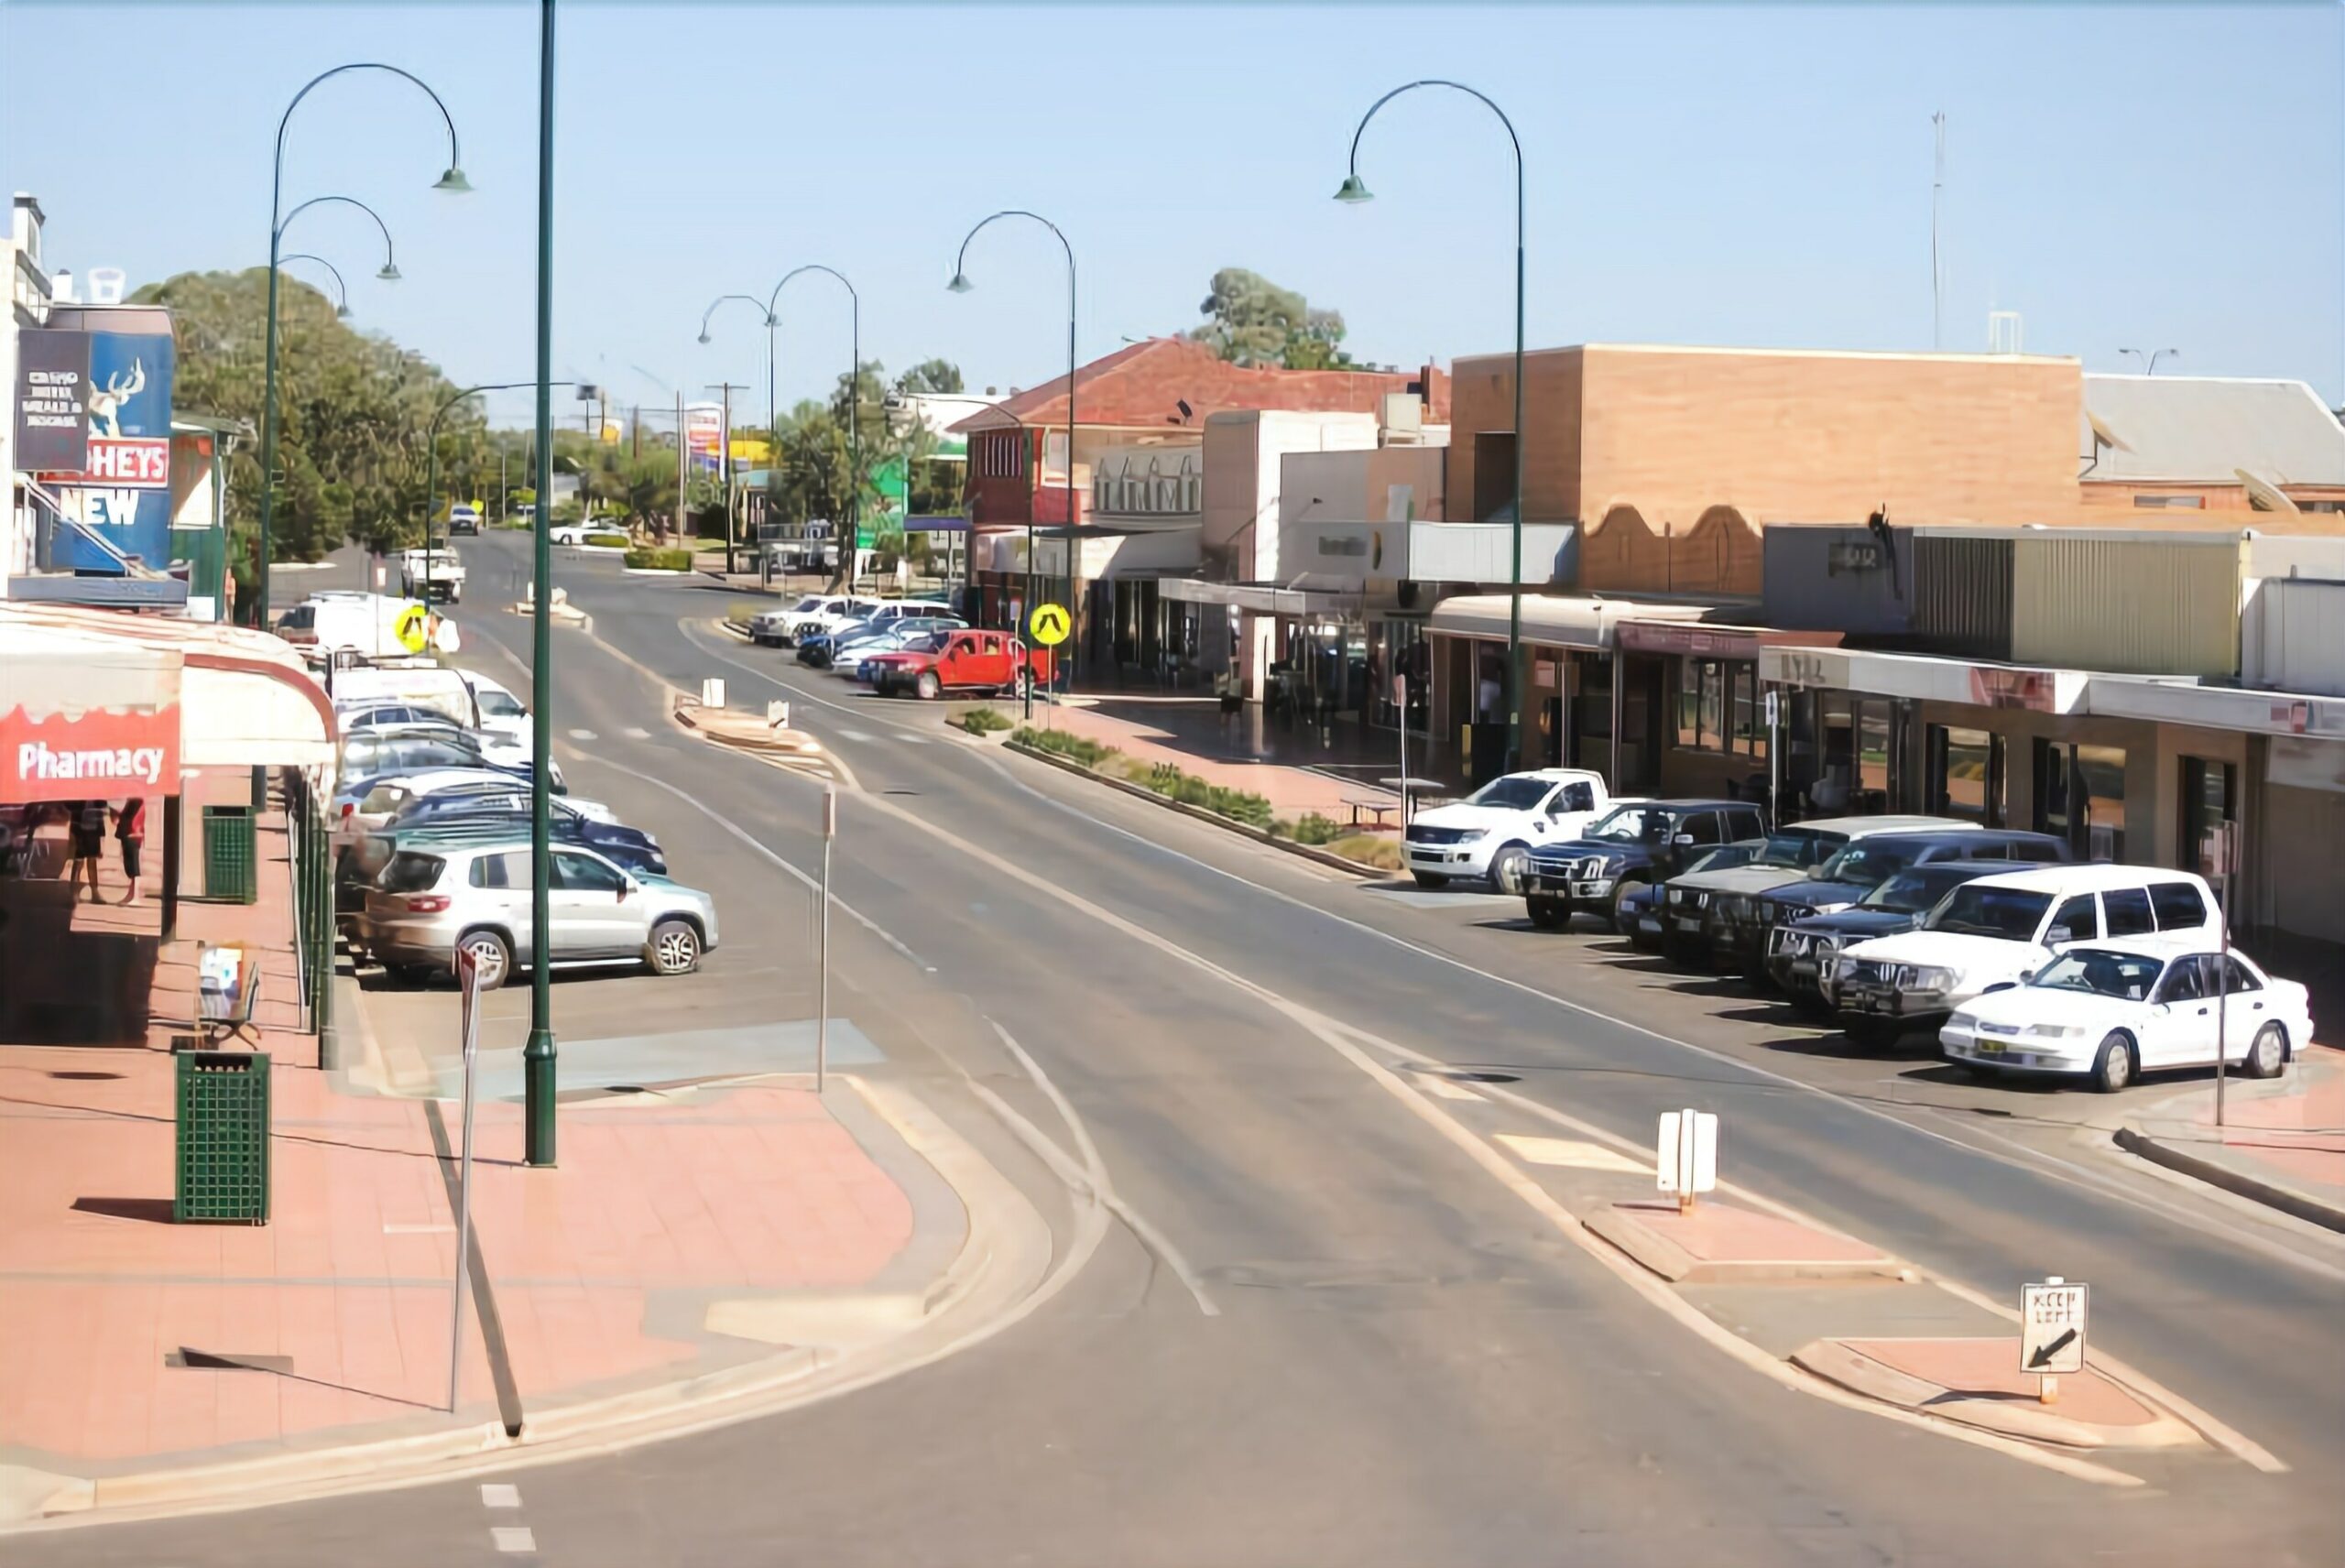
(1989, 1047)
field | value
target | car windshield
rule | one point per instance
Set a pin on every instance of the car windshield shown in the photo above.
(1866, 863)
(933, 643)
(501, 705)
(2129, 977)
(1511, 794)
(811, 601)
(2011, 913)
(1796, 848)
(1908, 892)
(1629, 824)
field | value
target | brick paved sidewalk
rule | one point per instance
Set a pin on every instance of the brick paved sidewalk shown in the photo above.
(2289, 1137)
(1291, 790)
(669, 1214)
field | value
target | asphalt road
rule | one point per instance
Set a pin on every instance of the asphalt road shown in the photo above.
(1341, 1339)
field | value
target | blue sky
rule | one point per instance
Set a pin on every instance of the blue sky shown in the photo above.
(1753, 175)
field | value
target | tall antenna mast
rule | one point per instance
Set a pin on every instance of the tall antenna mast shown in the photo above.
(1938, 265)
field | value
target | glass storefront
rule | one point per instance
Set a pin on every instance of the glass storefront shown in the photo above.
(1399, 646)
(2081, 795)
(2209, 798)
(1967, 770)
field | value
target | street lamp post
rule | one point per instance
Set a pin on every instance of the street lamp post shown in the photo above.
(961, 285)
(431, 461)
(538, 1055)
(340, 289)
(2150, 359)
(854, 377)
(452, 180)
(1354, 190)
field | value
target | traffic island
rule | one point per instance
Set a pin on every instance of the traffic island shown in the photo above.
(1978, 1383)
(1715, 1242)
(2281, 1143)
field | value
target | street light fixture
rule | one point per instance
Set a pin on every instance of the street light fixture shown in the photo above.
(342, 311)
(961, 285)
(452, 180)
(1354, 190)
(2151, 358)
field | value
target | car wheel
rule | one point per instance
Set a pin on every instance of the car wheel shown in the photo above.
(1428, 879)
(1622, 924)
(930, 687)
(1874, 1034)
(1549, 914)
(1809, 1002)
(1507, 867)
(675, 948)
(2267, 1052)
(2115, 1066)
(492, 956)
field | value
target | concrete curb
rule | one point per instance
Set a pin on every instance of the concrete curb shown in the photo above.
(1859, 1374)
(1677, 1266)
(2160, 1151)
(1305, 851)
(1004, 1254)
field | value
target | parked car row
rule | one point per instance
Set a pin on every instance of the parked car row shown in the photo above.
(2019, 959)
(432, 833)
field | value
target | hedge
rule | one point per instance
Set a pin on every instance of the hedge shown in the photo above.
(659, 559)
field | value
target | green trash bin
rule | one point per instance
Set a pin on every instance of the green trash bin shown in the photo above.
(228, 854)
(223, 1150)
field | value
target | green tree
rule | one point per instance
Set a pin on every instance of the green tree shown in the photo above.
(930, 376)
(353, 413)
(1254, 322)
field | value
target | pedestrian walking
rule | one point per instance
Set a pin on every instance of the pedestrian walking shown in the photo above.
(86, 838)
(130, 832)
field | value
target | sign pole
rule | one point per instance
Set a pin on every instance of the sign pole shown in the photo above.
(468, 981)
(822, 948)
(2224, 833)
(1401, 702)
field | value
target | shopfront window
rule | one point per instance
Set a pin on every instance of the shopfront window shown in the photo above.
(2209, 799)
(1718, 706)
(2081, 795)
(1750, 719)
(1966, 772)
(1689, 702)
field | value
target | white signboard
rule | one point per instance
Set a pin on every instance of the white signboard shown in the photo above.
(776, 715)
(712, 692)
(1687, 1160)
(2052, 1327)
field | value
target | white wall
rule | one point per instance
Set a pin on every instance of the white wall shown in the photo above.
(1243, 508)
(2292, 636)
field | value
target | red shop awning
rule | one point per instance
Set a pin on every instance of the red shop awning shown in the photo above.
(85, 716)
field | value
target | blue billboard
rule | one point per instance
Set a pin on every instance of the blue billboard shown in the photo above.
(122, 496)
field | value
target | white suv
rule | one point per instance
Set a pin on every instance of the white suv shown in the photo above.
(1999, 930)
(1491, 833)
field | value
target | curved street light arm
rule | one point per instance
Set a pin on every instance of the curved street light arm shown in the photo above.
(390, 258)
(455, 159)
(744, 298)
(342, 290)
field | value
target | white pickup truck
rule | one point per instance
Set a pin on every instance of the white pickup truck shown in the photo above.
(1491, 833)
(432, 575)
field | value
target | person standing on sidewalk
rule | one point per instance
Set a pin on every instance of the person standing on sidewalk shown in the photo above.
(86, 839)
(130, 832)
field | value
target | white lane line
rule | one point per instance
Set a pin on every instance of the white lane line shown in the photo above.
(512, 1538)
(911, 739)
(1535, 1151)
(1443, 1089)
(866, 921)
(857, 734)
(499, 1494)
(1092, 1174)
(635, 733)
(583, 735)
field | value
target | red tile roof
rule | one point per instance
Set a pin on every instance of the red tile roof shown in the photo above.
(1142, 386)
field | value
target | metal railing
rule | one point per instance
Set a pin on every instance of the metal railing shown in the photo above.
(311, 846)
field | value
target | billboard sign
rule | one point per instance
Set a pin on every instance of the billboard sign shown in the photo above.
(704, 435)
(119, 492)
(892, 491)
(52, 413)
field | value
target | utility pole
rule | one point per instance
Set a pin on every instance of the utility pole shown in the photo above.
(683, 467)
(1937, 266)
(725, 389)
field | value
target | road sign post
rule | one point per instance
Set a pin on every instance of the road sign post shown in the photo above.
(2051, 1333)
(1687, 1160)
(822, 948)
(468, 985)
(2220, 854)
(1048, 626)
(1401, 706)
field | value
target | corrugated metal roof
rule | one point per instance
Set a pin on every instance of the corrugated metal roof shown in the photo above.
(2202, 429)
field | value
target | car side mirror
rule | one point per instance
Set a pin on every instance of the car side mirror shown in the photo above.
(2059, 936)
(627, 884)
(1683, 839)
(2001, 986)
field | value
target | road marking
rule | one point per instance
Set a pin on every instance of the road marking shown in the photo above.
(583, 735)
(1443, 1089)
(1536, 1150)
(857, 734)
(514, 1538)
(633, 733)
(499, 1494)
(911, 739)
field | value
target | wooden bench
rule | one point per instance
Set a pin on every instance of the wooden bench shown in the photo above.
(1379, 809)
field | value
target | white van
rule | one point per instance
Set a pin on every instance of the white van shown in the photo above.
(350, 621)
(1999, 930)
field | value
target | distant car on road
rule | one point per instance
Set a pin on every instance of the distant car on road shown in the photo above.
(1635, 845)
(849, 661)
(463, 519)
(1492, 832)
(461, 890)
(2112, 1010)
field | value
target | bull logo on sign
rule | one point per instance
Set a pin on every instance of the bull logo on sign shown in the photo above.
(105, 403)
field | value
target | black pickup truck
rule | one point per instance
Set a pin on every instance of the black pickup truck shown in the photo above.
(1637, 844)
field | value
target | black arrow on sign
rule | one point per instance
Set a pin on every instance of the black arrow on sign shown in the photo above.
(2045, 1353)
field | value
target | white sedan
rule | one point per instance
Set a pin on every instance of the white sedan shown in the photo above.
(2112, 1010)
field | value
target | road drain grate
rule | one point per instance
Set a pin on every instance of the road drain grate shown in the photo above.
(214, 1361)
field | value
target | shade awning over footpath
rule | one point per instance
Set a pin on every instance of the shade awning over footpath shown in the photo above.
(1579, 620)
(103, 702)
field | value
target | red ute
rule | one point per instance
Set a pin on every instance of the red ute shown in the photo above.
(964, 662)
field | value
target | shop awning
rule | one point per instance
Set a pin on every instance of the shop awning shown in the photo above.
(1924, 678)
(1578, 620)
(242, 698)
(1260, 597)
(1704, 640)
(84, 715)
(2215, 707)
